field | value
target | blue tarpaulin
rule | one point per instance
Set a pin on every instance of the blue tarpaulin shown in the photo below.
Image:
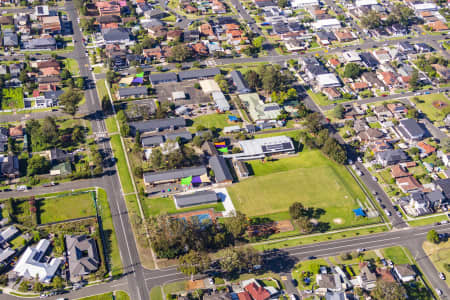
(233, 118)
(138, 80)
(359, 212)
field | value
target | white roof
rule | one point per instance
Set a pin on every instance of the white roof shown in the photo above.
(178, 95)
(266, 145)
(327, 79)
(208, 86)
(304, 2)
(327, 23)
(365, 2)
(425, 6)
(351, 56)
(231, 128)
(221, 101)
(30, 265)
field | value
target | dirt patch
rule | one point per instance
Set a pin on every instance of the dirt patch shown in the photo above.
(314, 221)
(338, 221)
(196, 284)
(284, 226)
(440, 104)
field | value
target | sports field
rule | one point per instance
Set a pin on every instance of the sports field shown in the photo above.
(309, 178)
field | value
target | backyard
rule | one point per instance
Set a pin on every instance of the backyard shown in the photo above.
(12, 99)
(302, 178)
(65, 207)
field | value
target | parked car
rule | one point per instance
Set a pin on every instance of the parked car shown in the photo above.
(211, 281)
(374, 178)
(439, 292)
(21, 188)
(388, 213)
(442, 276)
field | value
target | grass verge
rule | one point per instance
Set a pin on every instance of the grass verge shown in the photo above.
(122, 167)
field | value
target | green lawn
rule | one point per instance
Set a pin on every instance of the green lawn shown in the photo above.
(174, 287)
(306, 240)
(156, 206)
(111, 124)
(396, 254)
(121, 295)
(110, 235)
(427, 221)
(12, 98)
(156, 294)
(276, 185)
(440, 256)
(308, 266)
(101, 88)
(212, 120)
(119, 154)
(107, 296)
(66, 208)
(433, 113)
(72, 65)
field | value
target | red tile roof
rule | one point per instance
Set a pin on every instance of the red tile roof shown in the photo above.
(257, 292)
(428, 149)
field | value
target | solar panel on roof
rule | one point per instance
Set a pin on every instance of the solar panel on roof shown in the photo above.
(276, 147)
(40, 9)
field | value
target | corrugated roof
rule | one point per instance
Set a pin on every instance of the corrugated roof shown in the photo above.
(221, 171)
(158, 124)
(196, 74)
(150, 177)
(197, 198)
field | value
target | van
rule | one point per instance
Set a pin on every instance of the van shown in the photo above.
(21, 188)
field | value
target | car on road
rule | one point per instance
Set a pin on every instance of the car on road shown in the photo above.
(292, 297)
(388, 213)
(374, 178)
(374, 193)
(21, 188)
(311, 257)
(211, 281)
(442, 276)
(378, 199)
(49, 184)
(444, 222)
(399, 214)
(383, 206)
(361, 250)
(438, 292)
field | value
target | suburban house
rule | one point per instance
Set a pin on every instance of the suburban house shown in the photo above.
(391, 157)
(367, 278)
(404, 272)
(4, 134)
(116, 36)
(9, 166)
(219, 166)
(163, 78)
(239, 82)
(196, 198)
(410, 130)
(83, 256)
(32, 265)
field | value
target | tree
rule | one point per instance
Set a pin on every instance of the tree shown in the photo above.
(193, 262)
(252, 79)
(235, 260)
(70, 100)
(339, 111)
(432, 236)
(77, 135)
(79, 83)
(313, 122)
(236, 224)
(180, 53)
(38, 287)
(414, 81)
(283, 3)
(12, 147)
(258, 41)
(58, 282)
(386, 290)
(372, 20)
(304, 224)
(38, 165)
(156, 158)
(110, 76)
(49, 131)
(296, 210)
(412, 113)
(352, 70)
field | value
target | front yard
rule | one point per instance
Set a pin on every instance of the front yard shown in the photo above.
(12, 99)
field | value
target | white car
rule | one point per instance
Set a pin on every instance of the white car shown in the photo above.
(388, 213)
(292, 297)
(442, 276)
(439, 292)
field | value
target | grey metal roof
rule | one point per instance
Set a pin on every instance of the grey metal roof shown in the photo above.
(221, 171)
(163, 77)
(10, 39)
(151, 141)
(150, 177)
(133, 91)
(411, 128)
(116, 34)
(158, 124)
(392, 156)
(83, 255)
(41, 43)
(369, 60)
(184, 135)
(202, 197)
(239, 82)
(444, 186)
(435, 196)
(197, 74)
